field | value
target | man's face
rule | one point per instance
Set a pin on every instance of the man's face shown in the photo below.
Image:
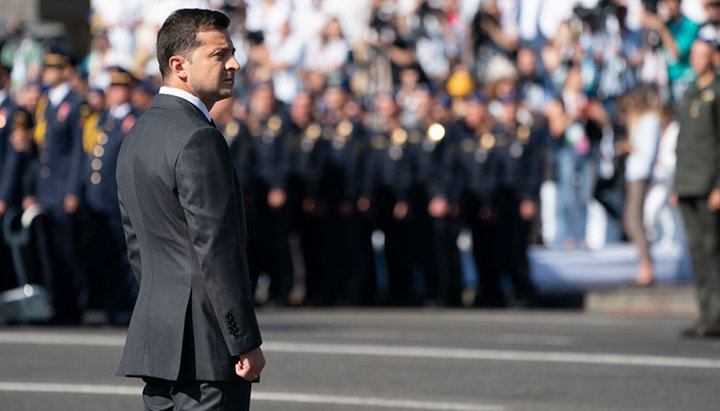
(53, 76)
(673, 8)
(211, 67)
(700, 57)
(117, 95)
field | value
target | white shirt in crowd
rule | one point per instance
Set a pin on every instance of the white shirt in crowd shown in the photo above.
(645, 139)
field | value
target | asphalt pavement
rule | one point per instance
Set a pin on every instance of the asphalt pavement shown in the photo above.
(387, 359)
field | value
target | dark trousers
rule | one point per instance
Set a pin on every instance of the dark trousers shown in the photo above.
(69, 290)
(162, 395)
(399, 244)
(514, 241)
(268, 244)
(112, 284)
(704, 243)
(7, 271)
(487, 256)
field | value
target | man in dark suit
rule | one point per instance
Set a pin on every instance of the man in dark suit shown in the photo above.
(193, 336)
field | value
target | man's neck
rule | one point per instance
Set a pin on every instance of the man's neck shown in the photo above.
(172, 83)
(705, 79)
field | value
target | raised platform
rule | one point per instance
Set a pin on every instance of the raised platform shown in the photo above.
(608, 268)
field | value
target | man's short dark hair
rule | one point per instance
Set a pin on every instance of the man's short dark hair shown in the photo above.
(177, 36)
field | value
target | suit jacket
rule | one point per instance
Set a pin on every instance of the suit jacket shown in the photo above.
(183, 217)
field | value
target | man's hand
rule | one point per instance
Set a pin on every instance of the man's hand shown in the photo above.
(276, 198)
(438, 207)
(250, 365)
(71, 203)
(3, 208)
(363, 204)
(400, 211)
(28, 202)
(308, 205)
(673, 200)
(527, 210)
(714, 200)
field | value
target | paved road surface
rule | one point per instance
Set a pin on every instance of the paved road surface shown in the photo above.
(355, 360)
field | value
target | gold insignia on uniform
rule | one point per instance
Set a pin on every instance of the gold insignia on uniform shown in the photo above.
(95, 178)
(694, 109)
(232, 128)
(523, 133)
(274, 123)
(344, 128)
(487, 141)
(707, 96)
(467, 145)
(44, 157)
(378, 142)
(399, 137)
(102, 139)
(436, 132)
(45, 172)
(395, 153)
(313, 131)
(98, 151)
(96, 164)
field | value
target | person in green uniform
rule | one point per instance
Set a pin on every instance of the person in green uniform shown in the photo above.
(697, 186)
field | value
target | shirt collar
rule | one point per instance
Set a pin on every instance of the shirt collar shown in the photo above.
(172, 91)
(58, 94)
(119, 112)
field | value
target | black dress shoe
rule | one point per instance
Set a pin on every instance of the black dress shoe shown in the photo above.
(692, 331)
(701, 330)
(710, 330)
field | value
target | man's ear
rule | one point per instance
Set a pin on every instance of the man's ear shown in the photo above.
(177, 66)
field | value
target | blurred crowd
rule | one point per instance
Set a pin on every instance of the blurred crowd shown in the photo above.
(369, 137)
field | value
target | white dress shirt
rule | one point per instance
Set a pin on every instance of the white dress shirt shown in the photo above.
(172, 91)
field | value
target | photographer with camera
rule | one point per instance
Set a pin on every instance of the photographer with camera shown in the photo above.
(676, 34)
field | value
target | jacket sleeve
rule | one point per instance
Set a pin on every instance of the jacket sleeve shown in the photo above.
(78, 157)
(208, 195)
(133, 247)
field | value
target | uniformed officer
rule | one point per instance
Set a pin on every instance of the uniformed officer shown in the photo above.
(385, 186)
(306, 160)
(55, 180)
(8, 173)
(340, 147)
(519, 174)
(477, 179)
(104, 242)
(429, 146)
(697, 186)
(261, 153)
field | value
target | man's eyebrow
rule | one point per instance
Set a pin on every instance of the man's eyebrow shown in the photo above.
(228, 48)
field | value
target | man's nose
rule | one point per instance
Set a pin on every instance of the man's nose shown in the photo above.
(233, 64)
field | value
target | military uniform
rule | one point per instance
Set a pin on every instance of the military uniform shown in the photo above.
(58, 135)
(340, 149)
(431, 164)
(698, 159)
(519, 178)
(387, 179)
(9, 173)
(104, 241)
(260, 153)
(477, 181)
